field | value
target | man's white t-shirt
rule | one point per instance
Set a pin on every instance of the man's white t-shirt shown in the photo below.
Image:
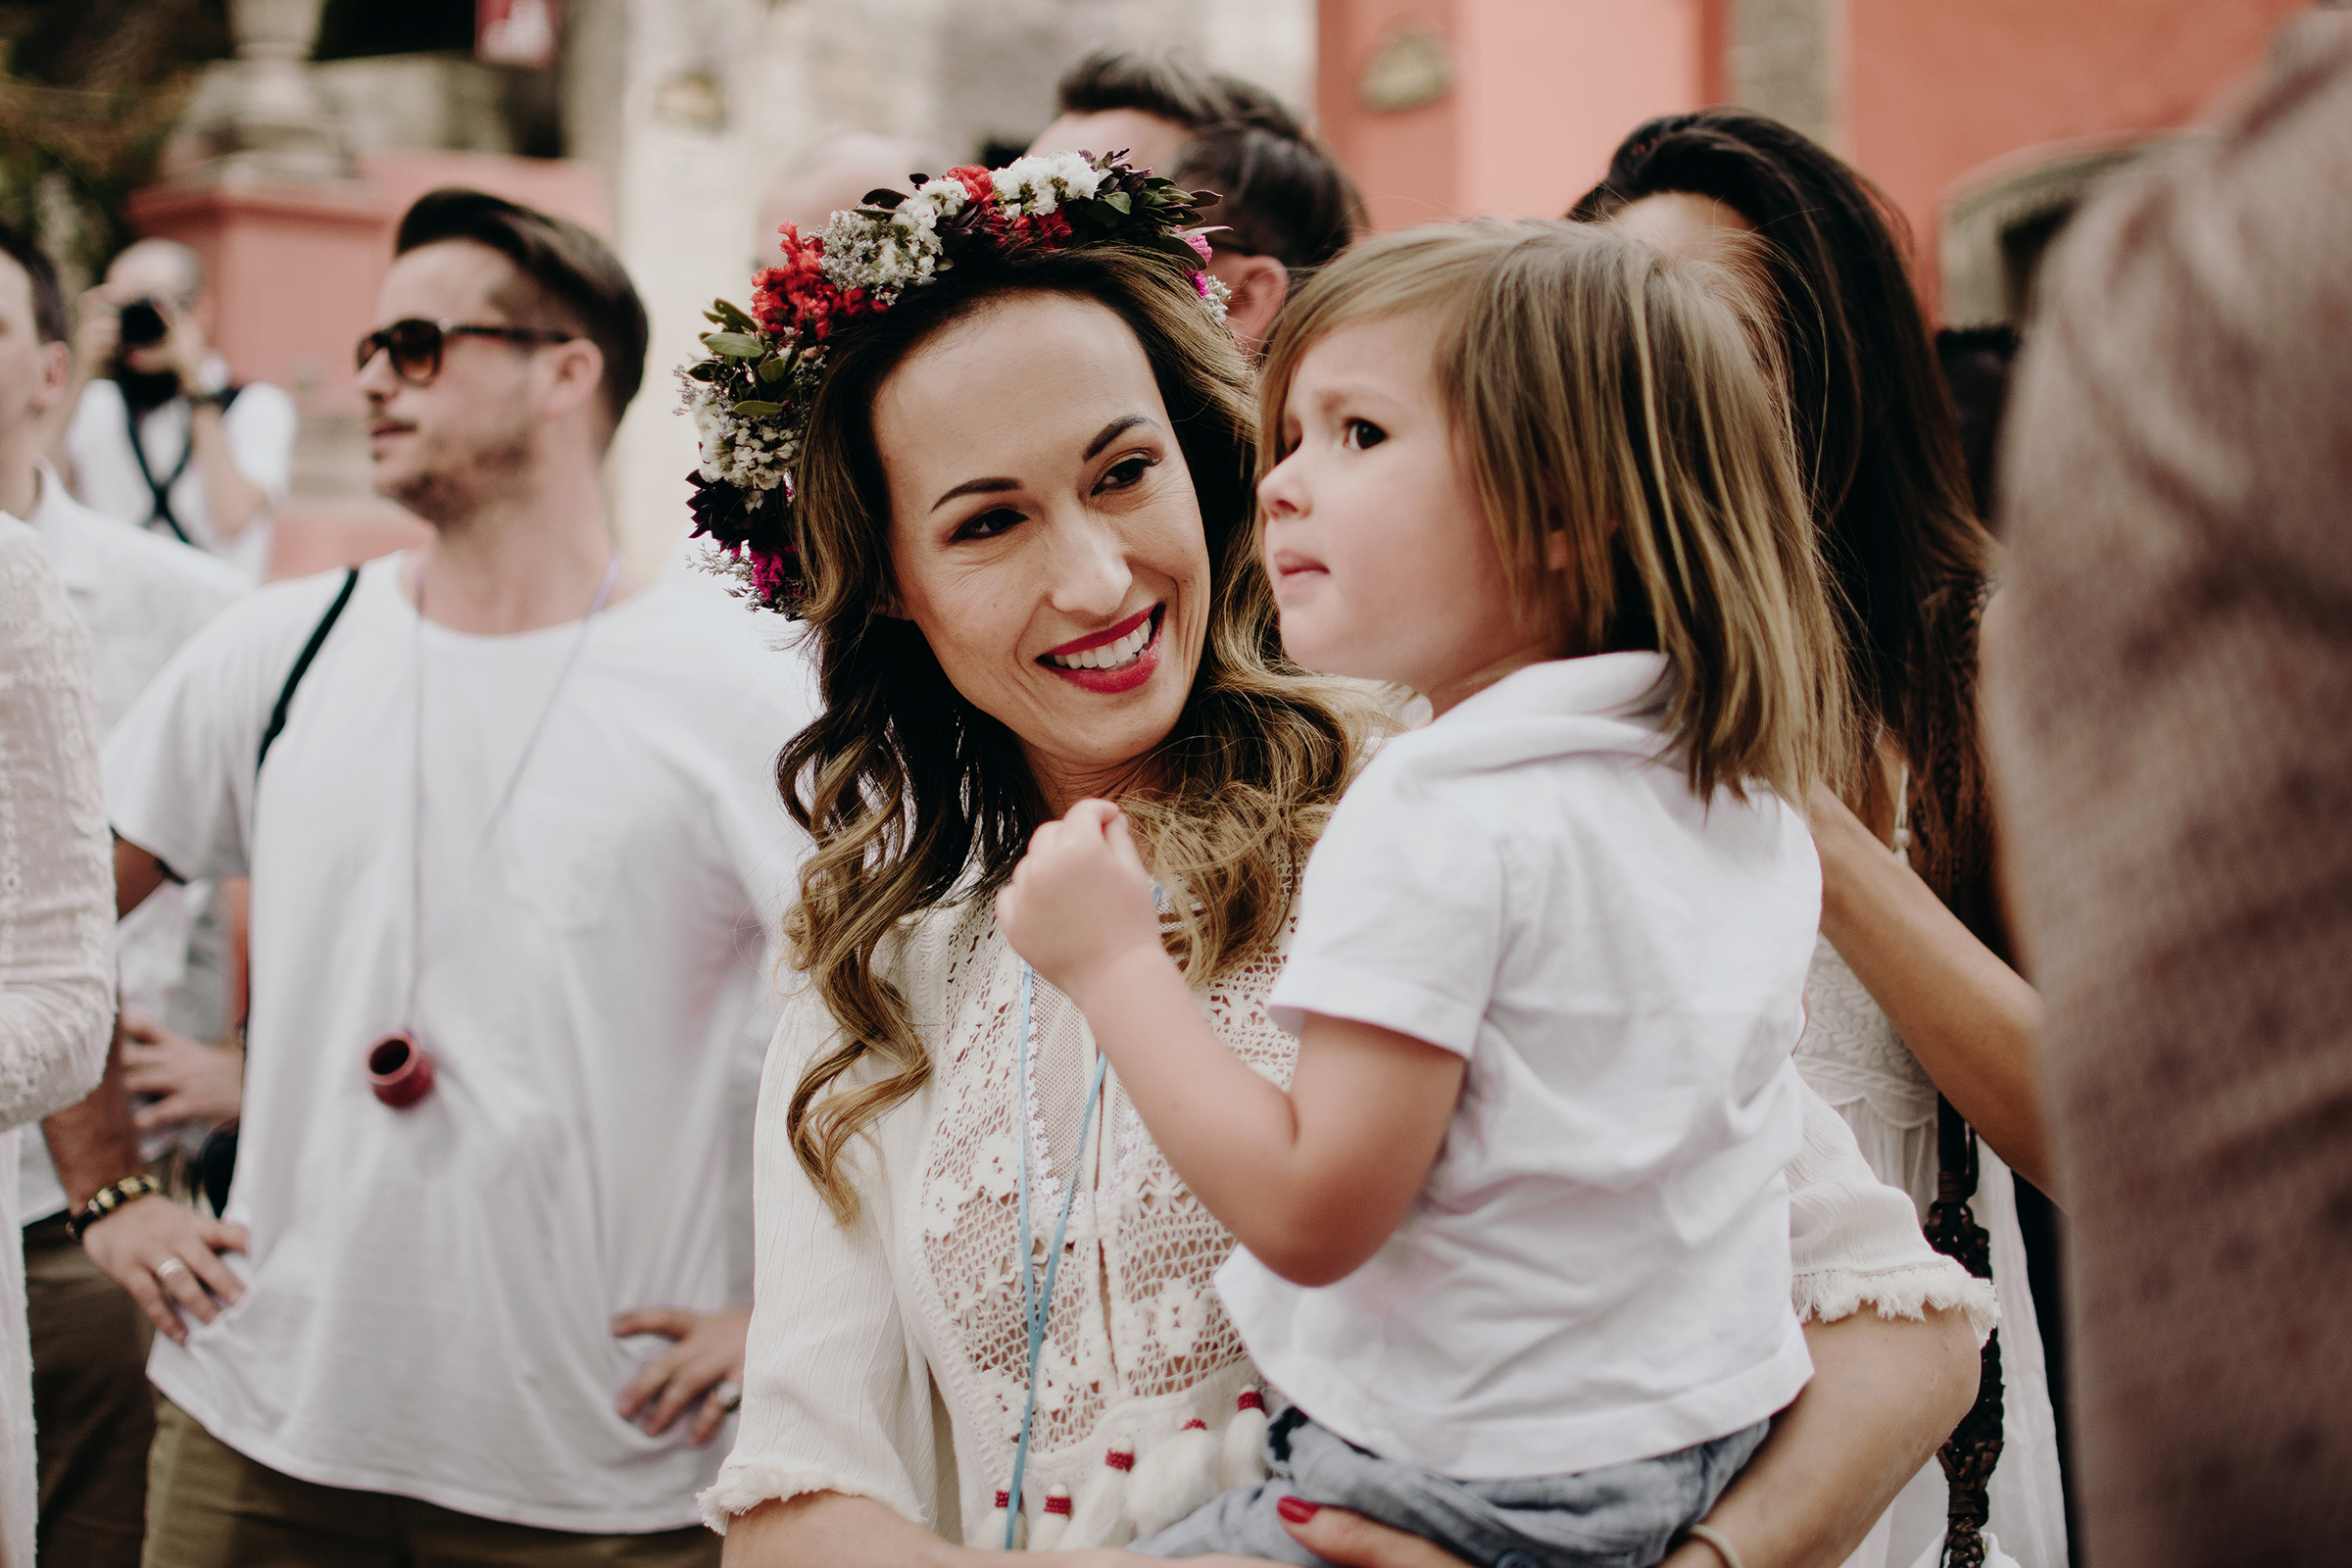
(1597, 1268)
(257, 427)
(140, 596)
(429, 1290)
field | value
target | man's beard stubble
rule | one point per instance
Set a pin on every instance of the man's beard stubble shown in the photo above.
(451, 491)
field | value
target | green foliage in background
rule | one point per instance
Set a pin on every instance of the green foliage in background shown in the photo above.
(88, 91)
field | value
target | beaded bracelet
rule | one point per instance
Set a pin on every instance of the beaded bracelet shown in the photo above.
(110, 1197)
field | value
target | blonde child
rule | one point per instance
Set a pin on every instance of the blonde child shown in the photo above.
(1514, 1242)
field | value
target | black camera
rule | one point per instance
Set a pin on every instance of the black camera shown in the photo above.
(143, 323)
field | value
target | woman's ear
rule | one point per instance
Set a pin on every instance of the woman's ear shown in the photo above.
(1555, 550)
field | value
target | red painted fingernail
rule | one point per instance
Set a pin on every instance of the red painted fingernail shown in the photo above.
(1298, 1510)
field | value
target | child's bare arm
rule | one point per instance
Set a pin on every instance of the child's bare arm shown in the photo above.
(1312, 1180)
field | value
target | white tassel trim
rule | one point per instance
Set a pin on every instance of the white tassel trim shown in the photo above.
(1173, 1479)
(1053, 1521)
(1242, 1454)
(1100, 1517)
(992, 1529)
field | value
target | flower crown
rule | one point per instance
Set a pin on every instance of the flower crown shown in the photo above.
(751, 397)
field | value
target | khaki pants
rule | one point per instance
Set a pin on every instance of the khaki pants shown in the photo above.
(92, 1404)
(211, 1507)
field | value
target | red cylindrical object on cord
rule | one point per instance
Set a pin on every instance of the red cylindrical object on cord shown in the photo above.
(399, 1069)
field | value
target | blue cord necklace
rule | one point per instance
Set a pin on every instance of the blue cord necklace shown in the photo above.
(1036, 1304)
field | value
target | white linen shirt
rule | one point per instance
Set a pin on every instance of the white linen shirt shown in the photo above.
(1596, 1269)
(139, 596)
(429, 1290)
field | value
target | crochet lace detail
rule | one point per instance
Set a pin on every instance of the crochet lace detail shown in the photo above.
(1850, 1053)
(1135, 1314)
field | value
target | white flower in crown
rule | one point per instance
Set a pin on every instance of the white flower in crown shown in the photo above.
(1039, 184)
(897, 252)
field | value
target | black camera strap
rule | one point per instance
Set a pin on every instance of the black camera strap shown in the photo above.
(215, 1162)
(161, 489)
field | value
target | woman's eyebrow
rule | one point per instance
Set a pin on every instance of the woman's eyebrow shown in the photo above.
(994, 486)
(1112, 431)
(976, 487)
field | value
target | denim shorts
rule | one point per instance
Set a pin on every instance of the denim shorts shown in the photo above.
(1624, 1516)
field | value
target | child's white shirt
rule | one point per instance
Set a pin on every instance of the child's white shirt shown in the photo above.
(1597, 1268)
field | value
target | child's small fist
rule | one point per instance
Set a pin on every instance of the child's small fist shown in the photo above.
(1080, 898)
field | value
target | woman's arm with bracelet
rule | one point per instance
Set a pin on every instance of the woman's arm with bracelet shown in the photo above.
(1972, 1022)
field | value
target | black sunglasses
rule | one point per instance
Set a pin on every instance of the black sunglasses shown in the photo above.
(415, 343)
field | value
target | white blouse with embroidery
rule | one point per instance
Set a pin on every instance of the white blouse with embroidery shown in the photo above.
(887, 1357)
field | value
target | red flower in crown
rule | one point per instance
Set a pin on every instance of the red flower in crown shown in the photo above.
(978, 181)
(751, 396)
(1045, 231)
(797, 299)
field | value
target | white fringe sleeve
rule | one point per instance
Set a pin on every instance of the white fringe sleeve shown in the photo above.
(836, 1396)
(1853, 1239)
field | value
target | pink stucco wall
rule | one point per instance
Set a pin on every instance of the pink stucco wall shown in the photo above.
(1934, 91)
(1544, 90)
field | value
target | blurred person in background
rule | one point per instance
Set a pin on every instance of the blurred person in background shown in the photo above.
(1284, 204)
(518, 858)
(158, 433)
(1917, 1020)
(2167, 679)
(138, 597)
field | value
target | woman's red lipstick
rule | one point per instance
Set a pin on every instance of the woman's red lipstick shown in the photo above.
(1124, 678)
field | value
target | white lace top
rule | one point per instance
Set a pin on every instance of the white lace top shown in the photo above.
(57, 934)
(888, 1360)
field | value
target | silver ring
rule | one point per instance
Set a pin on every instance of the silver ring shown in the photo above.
(728, 1395)
(169, 1267)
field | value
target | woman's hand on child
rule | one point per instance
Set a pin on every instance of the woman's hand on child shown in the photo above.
(1080, 899)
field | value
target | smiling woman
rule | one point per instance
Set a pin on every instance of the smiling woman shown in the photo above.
(1020, 529)
(994, 492)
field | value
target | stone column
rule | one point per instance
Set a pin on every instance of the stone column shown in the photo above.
(257, 119)
(1784, 61)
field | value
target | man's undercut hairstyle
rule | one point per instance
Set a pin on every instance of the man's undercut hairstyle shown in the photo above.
(1280, 196)
(1165, 86)
(49, 320)
(1283, 194)
(572, 279)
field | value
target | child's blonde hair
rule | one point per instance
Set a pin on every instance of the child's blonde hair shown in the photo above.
(1602, 390)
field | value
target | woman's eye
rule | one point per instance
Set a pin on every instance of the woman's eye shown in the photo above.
(1127, 472)
(988, 524)
(1361, 435)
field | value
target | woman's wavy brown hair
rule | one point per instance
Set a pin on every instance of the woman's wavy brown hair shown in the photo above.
(918, 798)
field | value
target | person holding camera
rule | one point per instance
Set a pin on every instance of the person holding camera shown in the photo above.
(158, 435)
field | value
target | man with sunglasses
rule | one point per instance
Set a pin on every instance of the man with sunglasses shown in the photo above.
(518, 858)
